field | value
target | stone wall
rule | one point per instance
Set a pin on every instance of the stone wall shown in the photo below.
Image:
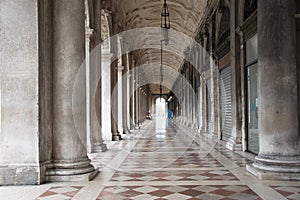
(19, 50)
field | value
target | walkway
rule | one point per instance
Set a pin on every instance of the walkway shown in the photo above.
(158, 164)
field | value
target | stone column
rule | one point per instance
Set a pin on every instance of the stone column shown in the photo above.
(278, 156)
(213, 86)
(298, 57)
(88, 35)
(120, 99)
(193, 94)
(182, 100)
(196, 86)
(243, 91)
(178, 118)
(114, 102)
(235, 141)
(136, 102)
(202, 102)
(125, 106)
(70, 161)
(188, 103)
(141, 107)
(153, 106)
(194, 106)
(198, 97)
(132, 100)
(128, 83)
(105, 94)
(95, 84)
(185, 96)
(189, 95)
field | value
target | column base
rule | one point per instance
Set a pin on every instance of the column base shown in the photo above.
(126, 131)
(96, 148)
(195, 126)
(131, 126)
(234, 144)
(186, 122)
(116, 137)
(69, 171)
(213, 135)
(74, 178)
(203, 131)
(137, 127)
(276, 167)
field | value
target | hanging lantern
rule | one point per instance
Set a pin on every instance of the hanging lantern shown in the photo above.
(165, 23)
(160, 90)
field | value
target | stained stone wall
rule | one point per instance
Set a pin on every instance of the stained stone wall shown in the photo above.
(298, 53)
(19, 50)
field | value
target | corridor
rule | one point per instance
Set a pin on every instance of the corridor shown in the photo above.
(151, 163)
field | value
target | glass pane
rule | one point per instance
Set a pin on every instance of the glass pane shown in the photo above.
(251, 49)
(252, 118)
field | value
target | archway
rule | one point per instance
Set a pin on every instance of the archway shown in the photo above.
(160, 115)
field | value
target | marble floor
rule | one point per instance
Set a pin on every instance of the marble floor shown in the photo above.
(163, 164)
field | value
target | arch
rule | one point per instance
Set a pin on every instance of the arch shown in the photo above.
(89, 13)
(106, 31)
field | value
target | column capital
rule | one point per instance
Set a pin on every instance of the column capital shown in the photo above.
(120, 68)
(107, 56)
(89, 32)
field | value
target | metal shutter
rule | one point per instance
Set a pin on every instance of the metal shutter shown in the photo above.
(225, 90)
(208, 109)
(199, 103)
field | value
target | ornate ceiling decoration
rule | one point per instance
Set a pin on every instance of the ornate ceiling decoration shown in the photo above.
(185, 16)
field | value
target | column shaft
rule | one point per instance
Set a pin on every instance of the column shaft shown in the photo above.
(235, 141)
(70, 161)
(114, 102)
(132, 100)
(95, 83)
(278, 156)
(125, 97)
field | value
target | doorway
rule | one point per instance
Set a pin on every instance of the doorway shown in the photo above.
(160, 115)
(252, 96)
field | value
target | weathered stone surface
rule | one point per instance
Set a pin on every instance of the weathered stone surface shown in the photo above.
(19, 175)
(69, 105)
(277, 92)
(19, 104)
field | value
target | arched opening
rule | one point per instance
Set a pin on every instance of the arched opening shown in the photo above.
(160, 115)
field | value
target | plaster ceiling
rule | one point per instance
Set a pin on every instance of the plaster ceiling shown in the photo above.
(185, 16)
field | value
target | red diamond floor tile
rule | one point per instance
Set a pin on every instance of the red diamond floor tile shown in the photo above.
(195, 175)
(60, 192)
(186, 192)
(290, 192)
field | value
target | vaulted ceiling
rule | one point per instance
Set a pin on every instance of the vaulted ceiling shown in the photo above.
(185, 16)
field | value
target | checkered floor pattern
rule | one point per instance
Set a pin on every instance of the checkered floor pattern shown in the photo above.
(147, 165)
(60, 193)
(194, 175)
(182, 192)
(289, 192)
